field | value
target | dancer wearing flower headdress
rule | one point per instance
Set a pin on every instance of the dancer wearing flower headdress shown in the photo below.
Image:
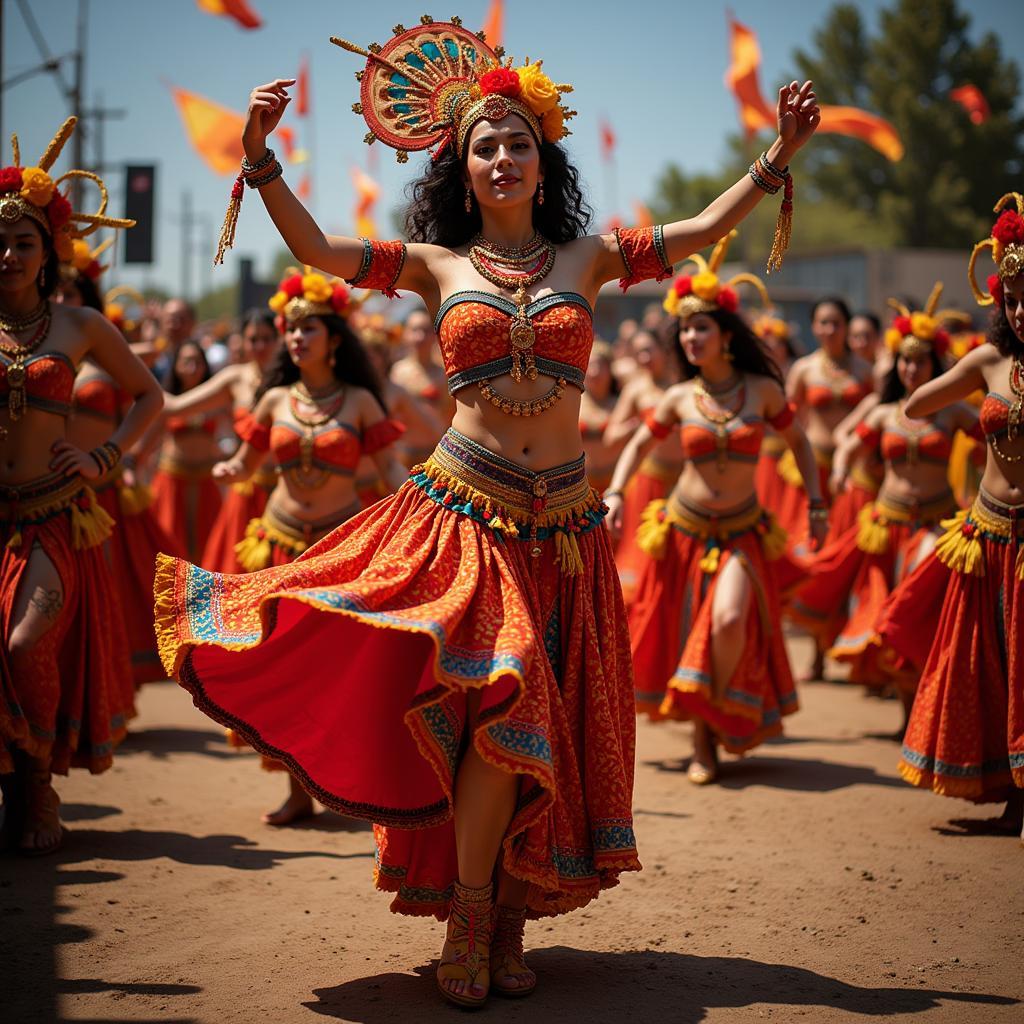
(966, 732)
(850, 580)
(64, 698)
(318, 412)
(705, 627)
(98, 406)
(480, 713)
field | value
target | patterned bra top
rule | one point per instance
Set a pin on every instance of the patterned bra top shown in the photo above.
(995, 414)
(897, 444)
(821, 396)
(49, 381)
(101, 399)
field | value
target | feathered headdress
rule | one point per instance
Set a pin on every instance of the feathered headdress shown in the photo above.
(116, 311)
(1007, 244)
(704, 292)
(430, 84)
(913, 334)
(31, 192)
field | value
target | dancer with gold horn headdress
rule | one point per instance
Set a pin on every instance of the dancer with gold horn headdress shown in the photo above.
(68, 690)
(973, 674)
(705, 627)
(483, 706)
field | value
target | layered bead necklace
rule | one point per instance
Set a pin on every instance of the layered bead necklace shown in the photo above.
(835, 373)
(1013, 417)
(912, 431)
(710, 403)
(19, 353)
(328, 404)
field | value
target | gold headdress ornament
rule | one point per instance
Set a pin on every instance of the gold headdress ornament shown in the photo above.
(430, 84)
(31, 192)
(914, 334)
(704, 292)
(1007, 244)
(305, 293)
(114, 306)
(84, 260)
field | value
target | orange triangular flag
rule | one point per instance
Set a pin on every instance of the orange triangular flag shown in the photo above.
(869, 128)
(741, 78)
(238, 10)
(494, 26)
(367, 193)
(302, 88)
(972, 99)
(214, 131)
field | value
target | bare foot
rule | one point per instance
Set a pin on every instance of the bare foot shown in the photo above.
(297, 807)
(817, 669)
(43, 832)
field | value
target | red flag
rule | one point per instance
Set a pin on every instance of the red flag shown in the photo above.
(972, 99)
(302, 88)
(607, 140)
(494, 26)
(237, 10)
(741, 78)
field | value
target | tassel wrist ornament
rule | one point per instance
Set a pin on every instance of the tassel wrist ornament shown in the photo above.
(771, 179)
(255, 175)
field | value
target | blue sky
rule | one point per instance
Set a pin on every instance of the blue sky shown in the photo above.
(654, 69)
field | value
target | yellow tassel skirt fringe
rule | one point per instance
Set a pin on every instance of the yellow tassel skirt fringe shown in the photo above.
(37, 501)
(960, 547)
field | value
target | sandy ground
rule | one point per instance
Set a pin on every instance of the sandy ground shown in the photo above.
(810, 885)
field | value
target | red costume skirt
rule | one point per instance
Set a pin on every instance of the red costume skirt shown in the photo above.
(670, 623)
(186, 502)
(653, 480)
(68, 698)
(353, 665)
(243, 503)
(850, 582)
(966, 731)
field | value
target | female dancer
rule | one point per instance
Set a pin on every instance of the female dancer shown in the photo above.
(705, 633)
(486, 673)
(596, 405)
(186, 499)
(62, 699)
(232, 391)
(851, 578)
(972, 677)
(317, 413)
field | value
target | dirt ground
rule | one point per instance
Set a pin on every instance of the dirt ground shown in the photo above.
(810, 885)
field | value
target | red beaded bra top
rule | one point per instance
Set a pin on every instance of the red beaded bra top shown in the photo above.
(49, 381)
(995, 414)
(821, 396)
(742, 442)
(100, 398)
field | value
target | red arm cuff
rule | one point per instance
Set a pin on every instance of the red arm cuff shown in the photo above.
(658, 429)
(250, 430)
(783, 419)
(381, 267)
(381, 434)
(868, 436)
(643, 255)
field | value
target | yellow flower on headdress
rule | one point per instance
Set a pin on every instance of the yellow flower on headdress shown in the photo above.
(82, 257)
(923, 326)
(63, 246)
(893, 339)
(36, 186)
(316, 288)
(705, 285)
(538, 91)
(553, 124)
(278, 301)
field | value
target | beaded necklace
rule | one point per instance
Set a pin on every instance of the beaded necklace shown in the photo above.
(719, 415)
(835, 373)
(12, 324)
(913, 431)
(16, 375)
(334, 398)
(1014, 415)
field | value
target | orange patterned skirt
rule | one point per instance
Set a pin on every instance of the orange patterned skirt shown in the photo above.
(966, 732)
(69, 698)
(477, 575)
(670, 623)
(243, 503)
(186, 502)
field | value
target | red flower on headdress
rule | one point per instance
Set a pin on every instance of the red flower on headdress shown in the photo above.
(292, 286)
(727, 299)
(93, 271)
(940, 343)
(10, 179)
(903, 325)
(58, 212)
(339, 297)
(683, 285)
(500, 81)
(1009, 228)
(995, 288)
(280, 323)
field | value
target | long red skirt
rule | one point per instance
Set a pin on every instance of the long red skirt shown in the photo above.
(136, 540)
(353, 665)
(186, 502)
(670, 625)
(243, 503)
(70, 697)
(966, 732)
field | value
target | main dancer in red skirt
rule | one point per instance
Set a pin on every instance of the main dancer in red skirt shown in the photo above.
(453, 663)
(64, 685)
(705, 627)
(966, 732)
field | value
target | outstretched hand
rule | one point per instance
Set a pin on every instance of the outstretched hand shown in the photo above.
(799, 113)
(267, 104)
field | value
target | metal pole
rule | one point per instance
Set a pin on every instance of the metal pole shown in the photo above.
(1, 71)
(78, 139)
(187, 222)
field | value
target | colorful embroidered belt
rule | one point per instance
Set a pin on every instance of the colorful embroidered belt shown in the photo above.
(989, 519)
(714, 528)
(510, 499)
(874, 520)
(193, 472)
(38, 501)
(664, 471)
(265, 479)
(277, 529)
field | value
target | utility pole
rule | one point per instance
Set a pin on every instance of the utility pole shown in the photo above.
(78, 139)
(101, 114)
(187, 222)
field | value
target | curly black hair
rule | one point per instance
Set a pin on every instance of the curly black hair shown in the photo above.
(1002, 335)
(892, 387)
(748, 355)
(351, 364)
(437, 201)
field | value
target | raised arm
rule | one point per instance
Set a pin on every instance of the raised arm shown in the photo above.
(215, 393)
(254, 431)
(961, 380)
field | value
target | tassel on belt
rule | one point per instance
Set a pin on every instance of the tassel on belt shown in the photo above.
(960, 546)
(37, 501)
(874, 520)
(277, 529)
(265, 479)
(193, 472)
(512, 500)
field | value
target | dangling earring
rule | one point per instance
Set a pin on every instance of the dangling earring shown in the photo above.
(540, 193)
(41, 280)
(469, 200)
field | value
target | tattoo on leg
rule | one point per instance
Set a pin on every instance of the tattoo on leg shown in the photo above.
(48, 602)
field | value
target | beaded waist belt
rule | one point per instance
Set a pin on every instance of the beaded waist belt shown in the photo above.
(191, 471)
(265, 479)
(37, 501)
(875, 518)
(510, 499)
(278, 529)
(988, 518)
